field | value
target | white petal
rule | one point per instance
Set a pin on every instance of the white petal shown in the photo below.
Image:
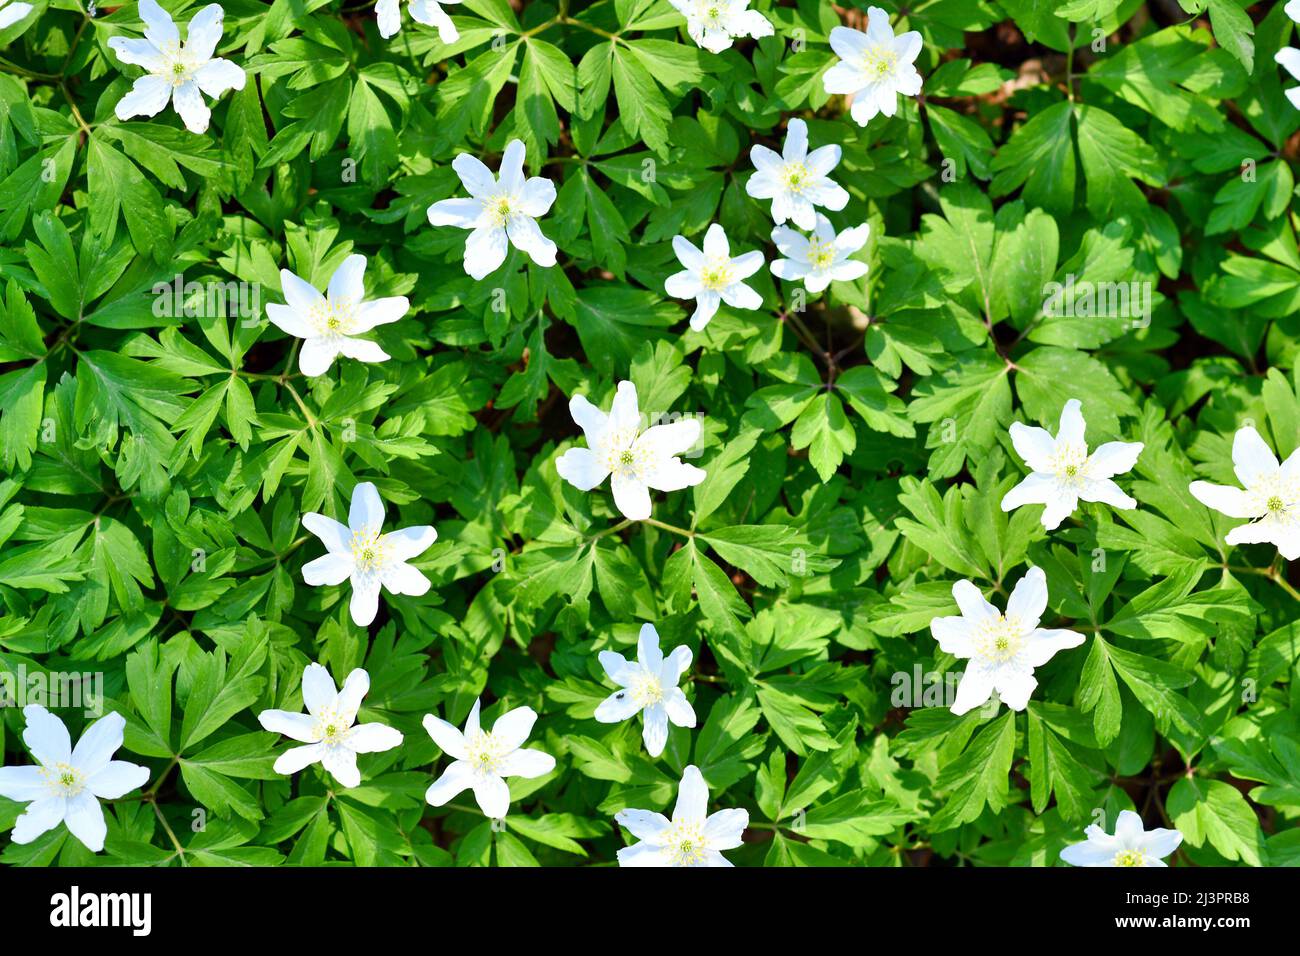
(675, 664)
(477, 179)
(188, 102)
(679, 709)
(40, 817)
(973, 606)
(618, 706)
(1113, 458)
(1043, 644)
(1232, 502)
(342, 765)
(492, 796)
(455, 780)
(407, 543)
(692, 797)
(217, 76)
(373, 738)
(527, 763)
(98, 743)
(655, 730)
(1072, 424)
(348, 701)
(648, 654)
(116, 779)
(204, 32)
(139, 53)
(328, 569)
(581, 468)
(715, 243)
(642, 824)
(1034, 445)
(461, 213)
(147, 97)
(724, 830)
(336, 537)
(23, 784)
(380, 312)
(589, 418)
(537, 197)
(485, 250)
(446, 736)
(527, 237)
(296, 758)
(1107, 492)
(1160, 842)
(364, 604)
(975, 688)
(511, 173)
(513, 727)
(401, 578)
(1015, 688)
(631, 497)
(687, 253)
(642, 854)
(347, 284)
(1251, 458)
(300, 727)
(318, 690)
(158, 25)
(85, 819)
(795, 148)
(1028, 600)
(954, 634)
(46, 736)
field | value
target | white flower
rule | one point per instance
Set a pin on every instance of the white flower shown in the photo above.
(692, 838)
(482, 759)
(176, 72)
(1130, 846)
(874, 66)
(327, 727)
(66, 785)
(1271, 496)
(1003, 649)
(649, 686)
(1062, 473)
(712, 277)
(638, 460)
(821, 258)
(361, 551)
(428, 12)
(713, 24)
(11, 13)
(796, 180)
(328, 323)
(501, 211)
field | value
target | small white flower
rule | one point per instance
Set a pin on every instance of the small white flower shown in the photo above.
(361, 551)
(428, 12)
(502, 212)
(482, 759)
(796, 180)
(11, 13)
(1271, 496)
(1003, 649)
(713, 24)
(692, 838)
(823, 257)
(649, 686)
(1063, 473)
(638, 460)
(328, 324)
(327, 727)
(176, 72)
(66, 785)
(874, 66)
(1130, 846)
(712, 277)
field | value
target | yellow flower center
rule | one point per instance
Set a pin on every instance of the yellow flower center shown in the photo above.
(1276, 503)
(332, 318)
(685, 844)
(879, 63)
(64, 779)
(797, 177)
(1130, 858)
(1070, 462)
(821, 255)
(646, 689)
(367, 550)
(716, 276)
(483, 753)
(999, 640)
(501, 210)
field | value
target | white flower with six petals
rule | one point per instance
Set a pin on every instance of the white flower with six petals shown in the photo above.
(361, 551)
(714, 24)
(638, 460)
(1132, 844)
(821, 258)
(482, 759)
(328, 324)
(796, 180)
(1062, 473)
(712, 276)
(327, 729)
(500, 211)
(1271, 496)
(66, 784)
(649, 687)
(693, 837)
(428, 12)
(874, 66)
(178, 72)
(1003, 649)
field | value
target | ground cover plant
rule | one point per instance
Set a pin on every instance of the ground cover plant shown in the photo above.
(649, 433)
